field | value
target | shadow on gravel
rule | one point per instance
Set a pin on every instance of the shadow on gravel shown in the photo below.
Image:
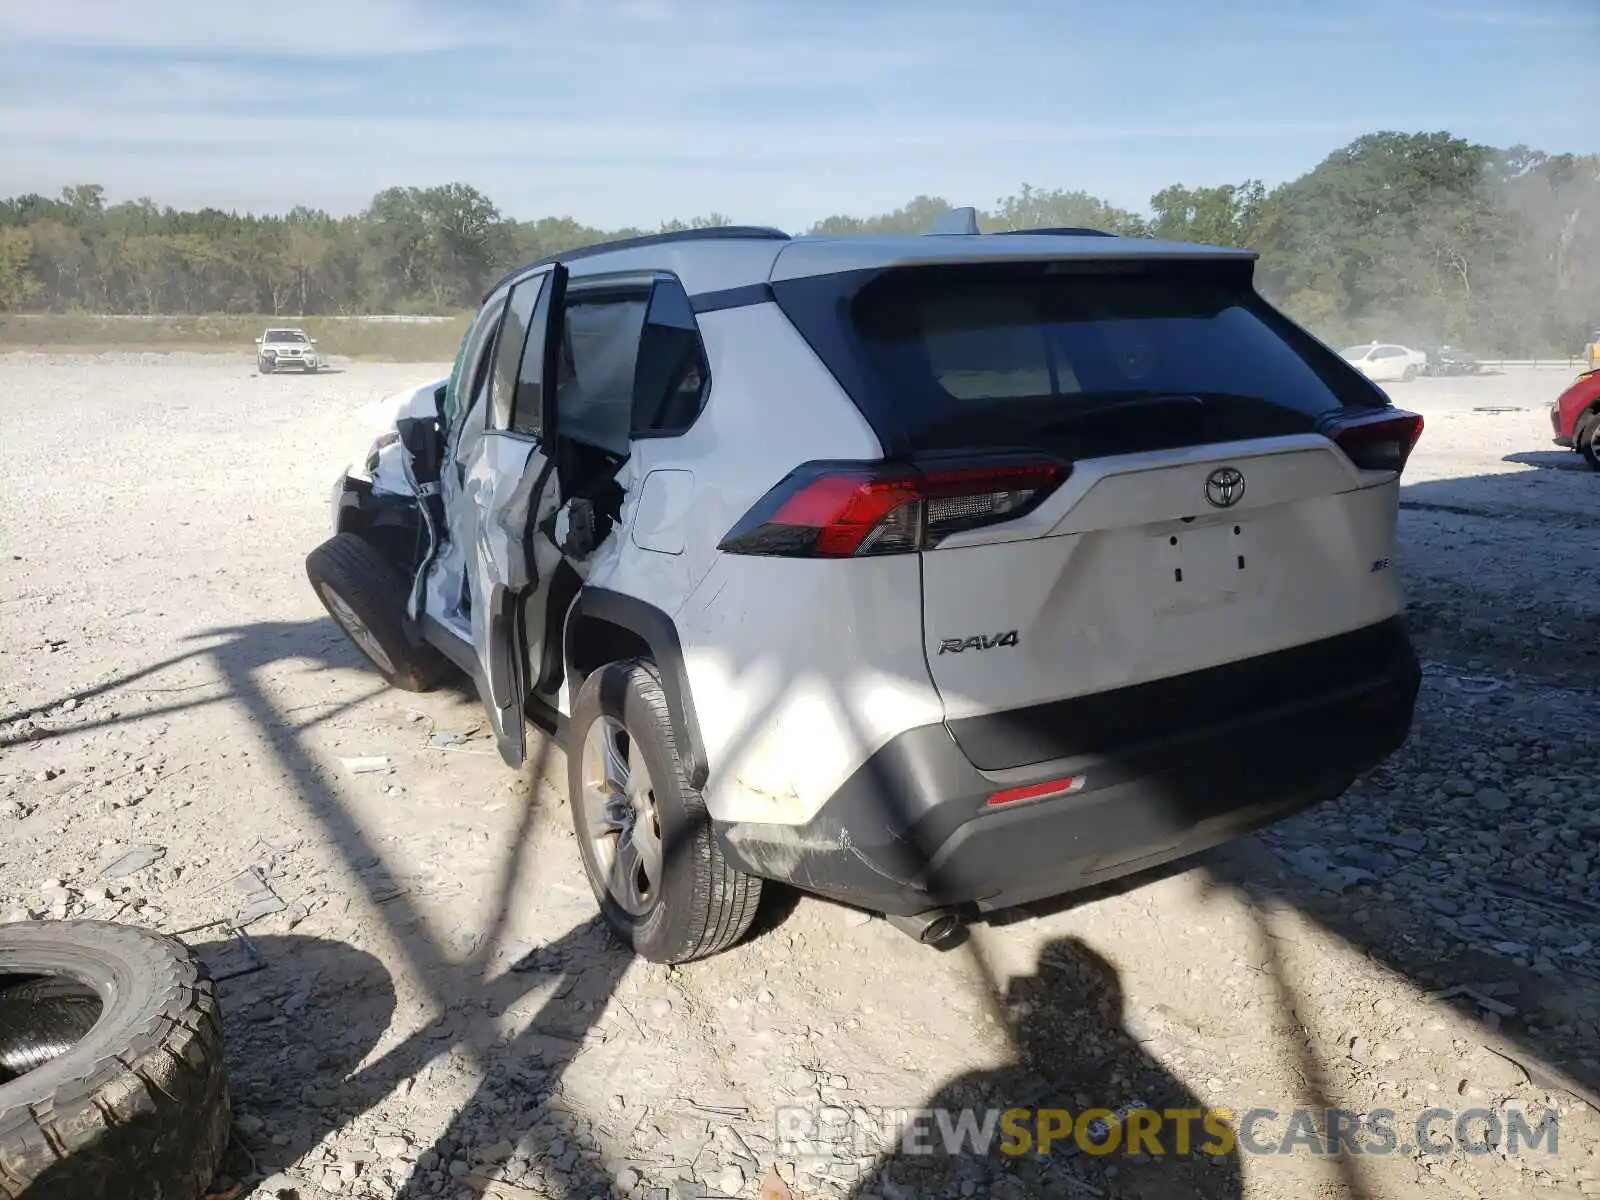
(285, 1056)
(1543, 1024)
(517, 1113)
(1552, 460)
(552, 995)
(1070, 1052)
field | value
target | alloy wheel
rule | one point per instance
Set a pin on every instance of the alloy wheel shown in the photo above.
(620, 816)
(357, 629)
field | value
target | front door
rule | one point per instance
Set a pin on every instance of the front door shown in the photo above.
(508, 489)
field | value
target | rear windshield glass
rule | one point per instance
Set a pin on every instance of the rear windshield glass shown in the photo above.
(1083, 362)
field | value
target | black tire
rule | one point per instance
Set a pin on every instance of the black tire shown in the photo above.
(703, 905)
(263, 366)
(138, 1106)
(1587, 440)
(1409, 374)
(357, 574)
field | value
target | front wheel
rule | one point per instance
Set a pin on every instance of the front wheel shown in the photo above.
(652, 861)
(366, 596)
(1409, 373)
(1588, 442)
(263, 366)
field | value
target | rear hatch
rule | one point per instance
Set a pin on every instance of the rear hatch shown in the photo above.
(1130, 472)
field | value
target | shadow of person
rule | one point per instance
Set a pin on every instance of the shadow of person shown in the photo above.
(1072, 1055)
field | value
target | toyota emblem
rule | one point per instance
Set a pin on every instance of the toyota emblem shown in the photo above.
(1224, 487)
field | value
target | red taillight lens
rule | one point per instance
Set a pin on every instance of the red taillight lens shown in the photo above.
(1378, 441)
(851, 509)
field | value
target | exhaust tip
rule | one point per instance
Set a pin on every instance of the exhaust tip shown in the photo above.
(929, 928)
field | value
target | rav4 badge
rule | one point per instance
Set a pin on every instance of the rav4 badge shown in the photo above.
(981, 641)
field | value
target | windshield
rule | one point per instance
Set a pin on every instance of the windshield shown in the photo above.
(1355, 352)
(286, 335)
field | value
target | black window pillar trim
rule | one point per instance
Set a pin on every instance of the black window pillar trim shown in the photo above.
(657, 630)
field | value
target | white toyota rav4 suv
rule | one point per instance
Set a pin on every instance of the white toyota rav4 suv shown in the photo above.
(934, 574)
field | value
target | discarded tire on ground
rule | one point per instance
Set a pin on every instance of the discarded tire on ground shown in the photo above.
(112, 1080)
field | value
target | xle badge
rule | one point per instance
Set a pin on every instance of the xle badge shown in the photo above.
(982, 641)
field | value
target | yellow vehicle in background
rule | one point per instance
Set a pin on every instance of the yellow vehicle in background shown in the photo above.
(1591, 354)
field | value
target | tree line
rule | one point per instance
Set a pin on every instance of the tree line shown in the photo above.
(1420, 237)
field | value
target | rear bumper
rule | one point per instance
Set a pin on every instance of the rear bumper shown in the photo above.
(912, 829)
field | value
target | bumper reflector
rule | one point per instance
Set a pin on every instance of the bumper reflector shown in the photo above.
(1049, 789)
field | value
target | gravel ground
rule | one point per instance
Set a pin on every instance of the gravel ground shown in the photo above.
(439, 1014)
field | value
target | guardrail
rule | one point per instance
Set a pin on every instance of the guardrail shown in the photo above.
(1571, 362)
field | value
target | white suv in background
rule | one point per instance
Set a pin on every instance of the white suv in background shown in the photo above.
(933, 574)
(280, 348)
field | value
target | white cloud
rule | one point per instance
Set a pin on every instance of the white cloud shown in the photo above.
(295, 28)
(1521, 19)
(630, 111)
(708, 138)
(610, 171)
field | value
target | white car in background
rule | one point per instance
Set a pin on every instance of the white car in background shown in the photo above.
(279, 348)
(1384, 362)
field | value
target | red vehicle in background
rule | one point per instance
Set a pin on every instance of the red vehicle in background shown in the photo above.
(1575, 417)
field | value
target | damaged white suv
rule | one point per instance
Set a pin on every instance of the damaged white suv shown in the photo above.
(933, 574)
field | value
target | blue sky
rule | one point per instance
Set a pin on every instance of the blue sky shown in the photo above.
(633, 111)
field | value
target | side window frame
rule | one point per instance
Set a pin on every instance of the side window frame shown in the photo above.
(502, 408)
(547, 310)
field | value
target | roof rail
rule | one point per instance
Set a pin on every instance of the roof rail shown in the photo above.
(1067, 231)
(711, 233)
(956, 222)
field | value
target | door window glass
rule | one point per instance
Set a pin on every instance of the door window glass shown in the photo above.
(508, 353)
(594, 385)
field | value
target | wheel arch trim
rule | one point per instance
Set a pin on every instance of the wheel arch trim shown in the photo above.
(658, 631)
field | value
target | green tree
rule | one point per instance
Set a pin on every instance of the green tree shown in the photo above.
(1036, 208)
(912, 217)
(17, 283)
(1413, 236)
(1226, 215)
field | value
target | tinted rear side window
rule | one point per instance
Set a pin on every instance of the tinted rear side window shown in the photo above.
(670, 380)
(1080, 361)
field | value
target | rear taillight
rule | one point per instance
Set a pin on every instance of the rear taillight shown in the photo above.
(1378, 441)
(852, 509)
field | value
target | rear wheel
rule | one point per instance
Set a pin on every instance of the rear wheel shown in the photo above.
(366, 596)
(1409, 373)
(663, 885)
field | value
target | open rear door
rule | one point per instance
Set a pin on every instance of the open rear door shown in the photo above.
(510, 488)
